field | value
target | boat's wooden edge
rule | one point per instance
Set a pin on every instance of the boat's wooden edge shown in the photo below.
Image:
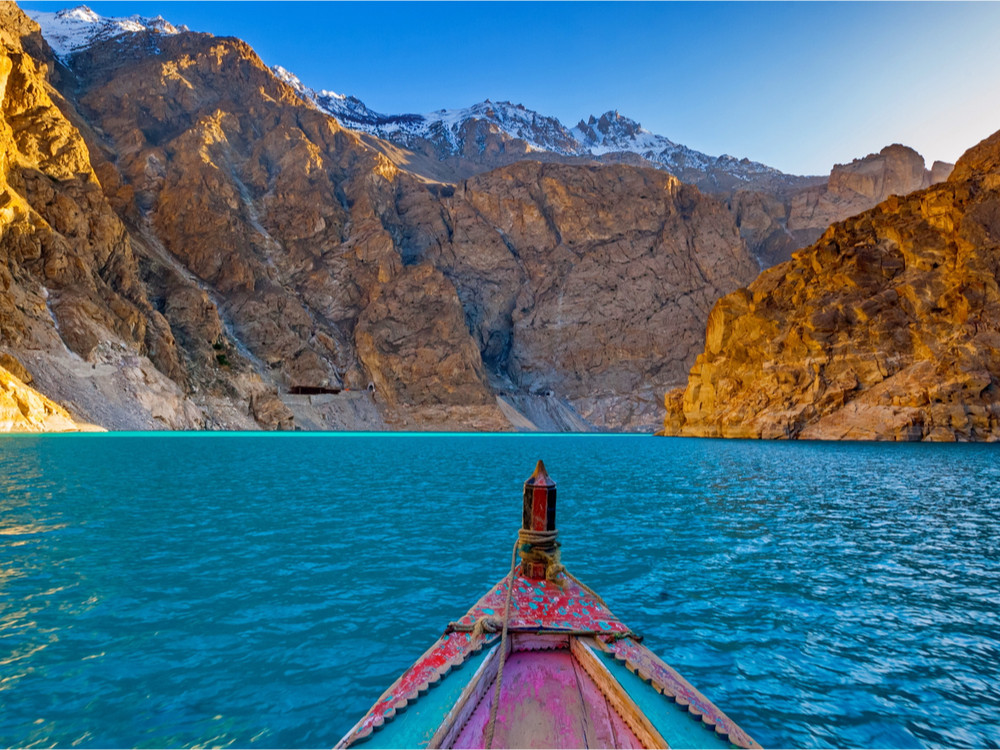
(666, 680)
(619, 700)
(367, 724)
(476, 689)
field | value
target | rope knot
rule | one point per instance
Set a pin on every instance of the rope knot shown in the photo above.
(487, 625)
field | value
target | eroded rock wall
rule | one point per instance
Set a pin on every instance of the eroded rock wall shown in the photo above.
(336, 269)
(69, 277)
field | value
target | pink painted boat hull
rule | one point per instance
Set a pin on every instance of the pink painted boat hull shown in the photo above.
(548, 700)
(568, 657)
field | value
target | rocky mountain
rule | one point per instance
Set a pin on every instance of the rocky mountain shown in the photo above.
(886, 328)
(22, 409)
(191, 244)
(777, 213)
(70, 279)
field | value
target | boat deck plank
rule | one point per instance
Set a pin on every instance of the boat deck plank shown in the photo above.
(546, 701)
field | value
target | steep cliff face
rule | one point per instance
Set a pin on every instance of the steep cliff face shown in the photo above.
(414, 341)
(856, 187)
(264, 252)
(69, 276)
(887, 328)
(606, 276)
(777, 223)
(282, 218)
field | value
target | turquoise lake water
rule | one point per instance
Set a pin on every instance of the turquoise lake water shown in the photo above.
(263, 590)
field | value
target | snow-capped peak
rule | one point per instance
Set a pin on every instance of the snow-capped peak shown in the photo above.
(314, 97)
(449, 129)
(72, 29)
(291, 79)
(613, 132)
(80, 13)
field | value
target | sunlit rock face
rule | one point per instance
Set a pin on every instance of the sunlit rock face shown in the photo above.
(289, 227)
(23, 409)
(886, 328)
(69, 276)
(188, 240)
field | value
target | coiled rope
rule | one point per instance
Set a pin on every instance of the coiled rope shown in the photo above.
(541, 547)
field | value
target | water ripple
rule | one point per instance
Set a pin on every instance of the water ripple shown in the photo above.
(262, 591)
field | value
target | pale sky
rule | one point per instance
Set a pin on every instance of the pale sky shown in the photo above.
(798, 86)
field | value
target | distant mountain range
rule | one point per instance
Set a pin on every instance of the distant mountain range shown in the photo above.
(522, 132)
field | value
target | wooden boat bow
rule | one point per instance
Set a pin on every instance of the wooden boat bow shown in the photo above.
(573, 675)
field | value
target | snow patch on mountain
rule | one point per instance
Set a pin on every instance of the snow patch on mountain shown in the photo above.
(70, 30)
(611, 133)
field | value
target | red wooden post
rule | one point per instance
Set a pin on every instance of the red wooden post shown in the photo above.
(538, 512)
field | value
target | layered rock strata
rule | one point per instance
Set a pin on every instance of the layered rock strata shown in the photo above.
(605, 272)
(68, 275)
(886, 328)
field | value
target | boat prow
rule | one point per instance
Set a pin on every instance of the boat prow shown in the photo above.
(541, 662)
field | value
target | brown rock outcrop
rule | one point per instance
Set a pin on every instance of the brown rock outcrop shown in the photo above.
(304, 243)
(68, 274)
(887, 328)
(583, 283)
(413, 340)
(620, 266)
(264, 225)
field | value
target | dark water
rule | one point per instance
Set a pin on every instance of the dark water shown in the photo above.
(262, 591)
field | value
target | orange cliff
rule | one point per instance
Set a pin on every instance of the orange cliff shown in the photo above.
(887, 328)
(199, 245)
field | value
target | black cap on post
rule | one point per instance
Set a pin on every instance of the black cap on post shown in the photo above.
(538, 512)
